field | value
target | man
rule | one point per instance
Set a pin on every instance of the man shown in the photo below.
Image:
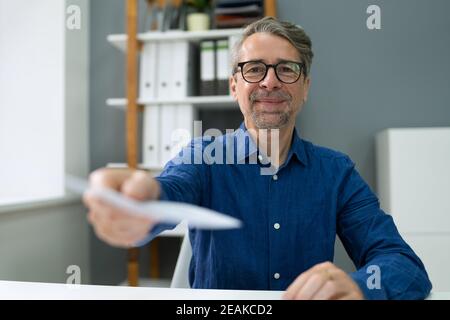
(291, 217)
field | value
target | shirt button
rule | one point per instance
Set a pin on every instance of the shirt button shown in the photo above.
(276, 226)
(276, 275)
(275, 177)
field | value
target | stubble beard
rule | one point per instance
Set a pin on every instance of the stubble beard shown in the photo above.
(264, 120)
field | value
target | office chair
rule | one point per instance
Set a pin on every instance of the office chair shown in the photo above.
(180, 277)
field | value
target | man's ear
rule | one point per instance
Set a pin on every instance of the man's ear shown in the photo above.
(232, 81)
(306, 85)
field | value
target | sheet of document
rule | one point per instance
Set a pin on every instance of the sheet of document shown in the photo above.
(162, 211)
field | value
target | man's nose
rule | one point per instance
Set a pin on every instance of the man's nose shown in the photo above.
(270, 82)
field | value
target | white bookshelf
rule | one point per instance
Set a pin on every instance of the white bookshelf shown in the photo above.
(162, 107)
(203, 102)
(120, 40)
(141, 166)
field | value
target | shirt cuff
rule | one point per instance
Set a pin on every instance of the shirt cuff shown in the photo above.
(154, 232)
(157, 228)
(360, 277)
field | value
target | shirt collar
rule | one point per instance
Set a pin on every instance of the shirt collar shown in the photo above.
(298, 148)
(249, 148)
(246, 149)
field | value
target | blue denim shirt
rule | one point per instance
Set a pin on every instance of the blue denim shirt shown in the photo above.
(289, 221)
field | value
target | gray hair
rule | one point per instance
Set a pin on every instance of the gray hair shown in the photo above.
(291, 32)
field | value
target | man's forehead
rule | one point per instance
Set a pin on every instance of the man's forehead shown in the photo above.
(266, 46)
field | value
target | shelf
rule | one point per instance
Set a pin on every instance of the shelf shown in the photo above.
(204, 102)
(154, 170)
(119, 40)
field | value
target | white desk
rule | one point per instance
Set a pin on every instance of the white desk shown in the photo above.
(57, 291)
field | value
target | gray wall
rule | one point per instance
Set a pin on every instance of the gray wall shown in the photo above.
(107, 142)
(362, 82)
(40, 240)
(38, 244)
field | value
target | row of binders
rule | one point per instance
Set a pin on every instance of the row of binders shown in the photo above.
(166, 129)
(170, 71)
(215, 66)
(167, 72)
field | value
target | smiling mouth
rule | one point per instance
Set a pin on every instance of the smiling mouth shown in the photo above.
(271, 105)
(270, 101)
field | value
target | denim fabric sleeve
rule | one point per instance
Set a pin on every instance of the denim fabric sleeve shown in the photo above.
(183, 180)
(158, 228)
(373, 242)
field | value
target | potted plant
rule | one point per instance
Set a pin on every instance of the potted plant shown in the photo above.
(198, 16)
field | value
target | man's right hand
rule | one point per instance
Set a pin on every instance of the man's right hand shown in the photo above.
(116, 226)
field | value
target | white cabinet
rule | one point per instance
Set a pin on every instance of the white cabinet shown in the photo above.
(434, 251)
(413, 183)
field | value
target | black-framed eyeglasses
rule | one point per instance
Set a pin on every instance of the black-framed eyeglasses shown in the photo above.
(285, 71)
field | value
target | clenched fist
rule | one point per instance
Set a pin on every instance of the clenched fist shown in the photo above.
(324, 281)
(116, 226)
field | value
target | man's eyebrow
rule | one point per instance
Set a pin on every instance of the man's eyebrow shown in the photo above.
(277, 61)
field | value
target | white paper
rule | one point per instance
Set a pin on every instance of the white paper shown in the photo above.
(162, 211)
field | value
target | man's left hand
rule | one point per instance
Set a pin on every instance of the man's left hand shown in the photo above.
(324, 281)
